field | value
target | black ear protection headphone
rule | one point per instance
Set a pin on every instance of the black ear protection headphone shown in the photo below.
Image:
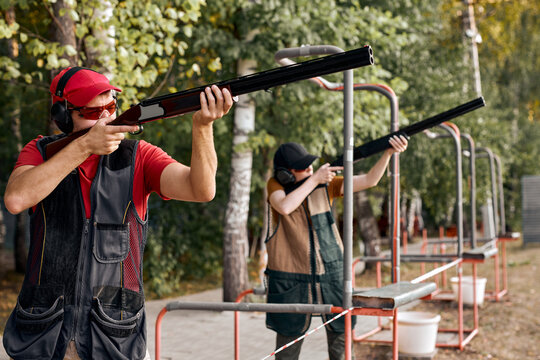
(59, 111)
(284, 176)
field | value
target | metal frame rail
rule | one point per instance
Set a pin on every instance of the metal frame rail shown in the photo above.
(502, 236)
(450, 260)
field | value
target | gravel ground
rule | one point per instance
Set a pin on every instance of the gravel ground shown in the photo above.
(509, 329)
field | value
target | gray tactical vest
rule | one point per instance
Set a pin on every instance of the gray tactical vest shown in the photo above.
(84, 276)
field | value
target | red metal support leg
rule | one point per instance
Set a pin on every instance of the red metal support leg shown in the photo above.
(395, 340)
(348, 336)
(237, 325)
(504, 273)
(460, 306)
(423, 251)
(475, 299)
(158, 332)
(497, 277)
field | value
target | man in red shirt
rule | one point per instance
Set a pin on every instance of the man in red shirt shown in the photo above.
(82, 297)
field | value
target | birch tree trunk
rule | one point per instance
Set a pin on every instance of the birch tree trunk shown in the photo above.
(63, 29)
(63, 32)
(105, 34)
(472, 36)
(235, 239)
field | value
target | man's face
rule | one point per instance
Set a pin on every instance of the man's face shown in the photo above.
(302, 174)
(81, 123)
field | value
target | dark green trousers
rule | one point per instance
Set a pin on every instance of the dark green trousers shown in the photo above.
(336, 346)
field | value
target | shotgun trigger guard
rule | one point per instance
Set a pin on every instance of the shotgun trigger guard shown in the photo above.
(141, 129)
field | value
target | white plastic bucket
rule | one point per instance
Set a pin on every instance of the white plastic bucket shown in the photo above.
(467, 289)
(417, 332)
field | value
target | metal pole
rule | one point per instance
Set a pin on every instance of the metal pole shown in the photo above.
(502, 215)
(472, 195)
(348, 146)
(454, 132)
(394, 232)
(494, 204)
(262, 307)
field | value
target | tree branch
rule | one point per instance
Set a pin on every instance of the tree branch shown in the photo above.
(158, 89)
(55, 20)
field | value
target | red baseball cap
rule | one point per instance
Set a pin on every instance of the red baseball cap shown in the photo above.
(81, 87)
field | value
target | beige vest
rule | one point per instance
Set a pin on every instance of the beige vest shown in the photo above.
(289, 247)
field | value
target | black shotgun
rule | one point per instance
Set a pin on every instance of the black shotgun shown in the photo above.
(381, 144)
(186, 101)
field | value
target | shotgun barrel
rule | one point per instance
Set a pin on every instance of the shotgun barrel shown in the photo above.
(187, 101)
(381, 144)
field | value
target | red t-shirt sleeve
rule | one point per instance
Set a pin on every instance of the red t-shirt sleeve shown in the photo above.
(153, 160)
(30, 154)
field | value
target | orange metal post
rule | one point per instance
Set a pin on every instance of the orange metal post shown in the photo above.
(460, 307)
(505, 275)
(395, 341)
(423, 250)
(237, 325)
(158, 332)
(475, 300)
(497, 277)
(348, 336)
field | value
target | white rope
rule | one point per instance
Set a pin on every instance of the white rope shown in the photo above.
(307, 334)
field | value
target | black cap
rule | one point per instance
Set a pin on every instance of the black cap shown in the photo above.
(293, 156)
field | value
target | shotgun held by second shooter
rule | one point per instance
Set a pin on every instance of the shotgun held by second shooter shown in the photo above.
(381, 144)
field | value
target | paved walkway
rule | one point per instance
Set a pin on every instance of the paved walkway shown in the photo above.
(210, 335)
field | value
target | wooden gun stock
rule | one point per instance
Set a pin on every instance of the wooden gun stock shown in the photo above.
(187, 101)
(381, 144)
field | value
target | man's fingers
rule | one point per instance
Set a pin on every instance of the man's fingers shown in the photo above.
(399, 143)
(204, 103)
(228, 99)
(211, 100)
(219, 97)
(124, 128)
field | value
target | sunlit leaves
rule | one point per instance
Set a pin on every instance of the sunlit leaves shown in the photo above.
(7, 30)
(143, 32)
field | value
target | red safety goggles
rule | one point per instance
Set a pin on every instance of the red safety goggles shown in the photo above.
(94, 113)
